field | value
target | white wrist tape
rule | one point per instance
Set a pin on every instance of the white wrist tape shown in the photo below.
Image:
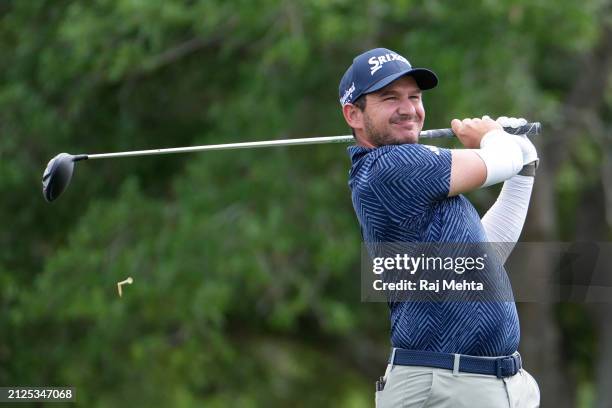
(501, 154)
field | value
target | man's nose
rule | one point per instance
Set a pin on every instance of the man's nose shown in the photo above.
(406, 107)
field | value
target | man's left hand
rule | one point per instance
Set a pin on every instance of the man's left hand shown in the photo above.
(530, 153)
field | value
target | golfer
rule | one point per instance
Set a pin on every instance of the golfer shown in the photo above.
(444, 354)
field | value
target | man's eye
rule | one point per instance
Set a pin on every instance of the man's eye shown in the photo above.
(415, 97)
(390, 98)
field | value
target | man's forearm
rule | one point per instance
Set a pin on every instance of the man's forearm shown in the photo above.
(504, 221)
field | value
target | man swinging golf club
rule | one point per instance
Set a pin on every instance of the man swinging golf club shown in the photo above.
(405, 191)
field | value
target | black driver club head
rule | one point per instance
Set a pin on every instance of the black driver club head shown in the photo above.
(57, 176)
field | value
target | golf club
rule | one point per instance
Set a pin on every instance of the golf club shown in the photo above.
(59, 171)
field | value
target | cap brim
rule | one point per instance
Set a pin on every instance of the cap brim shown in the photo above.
(424, 78)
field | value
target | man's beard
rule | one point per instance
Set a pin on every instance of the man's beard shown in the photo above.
(381, 137)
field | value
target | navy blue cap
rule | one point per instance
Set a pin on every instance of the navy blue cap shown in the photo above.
(377, 68)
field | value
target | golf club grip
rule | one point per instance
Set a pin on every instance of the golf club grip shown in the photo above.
(530, 129)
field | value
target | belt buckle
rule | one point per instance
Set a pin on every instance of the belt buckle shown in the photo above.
(499, 366)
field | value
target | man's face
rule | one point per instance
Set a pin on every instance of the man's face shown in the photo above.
(394, 114)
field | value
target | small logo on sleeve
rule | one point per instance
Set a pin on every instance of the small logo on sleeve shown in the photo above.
(433, 149)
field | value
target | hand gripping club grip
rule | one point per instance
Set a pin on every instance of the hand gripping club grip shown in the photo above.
(530, 129)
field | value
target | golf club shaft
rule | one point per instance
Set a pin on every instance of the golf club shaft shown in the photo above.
(529, 129)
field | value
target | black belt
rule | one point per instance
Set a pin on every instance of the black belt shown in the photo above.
(500, 367)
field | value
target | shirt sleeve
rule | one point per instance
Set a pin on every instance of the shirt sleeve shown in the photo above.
(407, 179)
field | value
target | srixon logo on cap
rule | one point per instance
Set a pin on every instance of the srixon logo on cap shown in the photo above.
(376, 63)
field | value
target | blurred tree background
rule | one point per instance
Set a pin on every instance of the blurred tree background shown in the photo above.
(246, 263)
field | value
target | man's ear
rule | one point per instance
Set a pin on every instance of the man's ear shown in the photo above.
(353, 116)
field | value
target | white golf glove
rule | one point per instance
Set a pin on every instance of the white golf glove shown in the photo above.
(530, 154)
(511, 122)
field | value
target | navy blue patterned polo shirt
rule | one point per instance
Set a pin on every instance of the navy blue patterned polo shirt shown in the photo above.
(399, 193)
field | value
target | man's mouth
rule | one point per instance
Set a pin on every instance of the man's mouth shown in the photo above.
(405, 124)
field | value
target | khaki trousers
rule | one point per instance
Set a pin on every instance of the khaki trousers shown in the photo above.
(420, 387)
